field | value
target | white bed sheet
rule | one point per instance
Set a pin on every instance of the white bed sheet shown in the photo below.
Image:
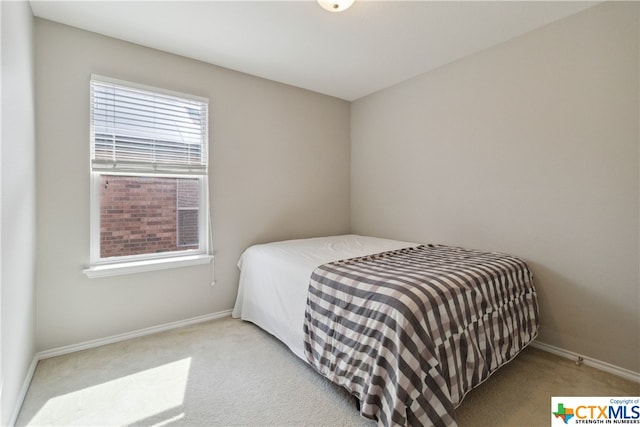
(274, 279)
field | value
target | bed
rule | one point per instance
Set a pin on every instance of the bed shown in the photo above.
(407, 328)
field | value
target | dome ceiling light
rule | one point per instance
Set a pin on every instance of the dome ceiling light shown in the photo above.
(335, 5)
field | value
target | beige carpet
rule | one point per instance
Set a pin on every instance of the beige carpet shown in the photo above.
(228, 372)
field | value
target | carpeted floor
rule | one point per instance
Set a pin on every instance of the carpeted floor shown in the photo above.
(229, 372)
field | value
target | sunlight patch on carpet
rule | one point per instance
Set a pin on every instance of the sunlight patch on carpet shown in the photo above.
(123, 400)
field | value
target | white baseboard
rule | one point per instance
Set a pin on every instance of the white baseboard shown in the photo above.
(100, 342)
(23, 391)
(588, 361)
(130, 335)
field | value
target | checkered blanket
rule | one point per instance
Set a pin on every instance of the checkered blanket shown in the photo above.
(410, 332)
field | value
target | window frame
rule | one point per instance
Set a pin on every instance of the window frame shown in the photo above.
(108, 266)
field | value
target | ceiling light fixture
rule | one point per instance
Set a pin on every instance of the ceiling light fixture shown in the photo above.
(335, 5)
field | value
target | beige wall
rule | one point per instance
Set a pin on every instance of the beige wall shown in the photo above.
(530, 147)
(18, 190)
(279, 169)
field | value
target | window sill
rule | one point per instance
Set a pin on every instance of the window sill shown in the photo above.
(105, 270)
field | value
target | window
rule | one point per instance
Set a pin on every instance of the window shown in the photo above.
(149, 201)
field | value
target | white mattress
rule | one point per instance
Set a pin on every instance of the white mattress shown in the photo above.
(274, 278)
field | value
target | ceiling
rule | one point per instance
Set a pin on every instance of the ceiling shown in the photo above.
(371, 46)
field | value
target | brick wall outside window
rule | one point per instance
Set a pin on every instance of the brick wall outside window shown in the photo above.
(139, 215)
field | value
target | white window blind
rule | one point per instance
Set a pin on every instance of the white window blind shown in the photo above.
(139, 130)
